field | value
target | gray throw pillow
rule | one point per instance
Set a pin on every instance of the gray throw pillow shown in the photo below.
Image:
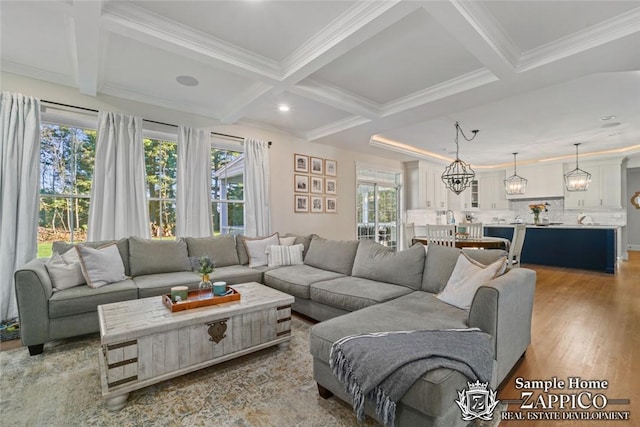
(332, 255)
(123, 247)
(221, 249)
(64, 274)
(148, 256)
(101, 266)
(377, 262)
(305, 241)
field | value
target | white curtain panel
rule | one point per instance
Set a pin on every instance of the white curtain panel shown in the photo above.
(193, 193)
(19, 173)
(119, 206)
(257, 208)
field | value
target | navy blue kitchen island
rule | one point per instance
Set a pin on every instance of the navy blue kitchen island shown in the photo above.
(585, 247)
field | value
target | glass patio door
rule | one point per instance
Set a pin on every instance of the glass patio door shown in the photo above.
(377, 213)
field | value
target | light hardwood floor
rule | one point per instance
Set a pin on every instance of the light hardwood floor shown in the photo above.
(587, 325)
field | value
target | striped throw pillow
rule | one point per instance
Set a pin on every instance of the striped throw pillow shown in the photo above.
(284, 255)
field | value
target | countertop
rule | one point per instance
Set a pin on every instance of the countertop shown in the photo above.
(560, 226)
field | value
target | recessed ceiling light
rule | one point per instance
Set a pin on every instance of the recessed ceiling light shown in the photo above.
(610, 125)
(187, 80)
(283, 107)
(605, 118)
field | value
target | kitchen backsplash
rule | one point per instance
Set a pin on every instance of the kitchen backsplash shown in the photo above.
(520, 208)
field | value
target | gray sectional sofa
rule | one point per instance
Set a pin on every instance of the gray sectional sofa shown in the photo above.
(352, 287)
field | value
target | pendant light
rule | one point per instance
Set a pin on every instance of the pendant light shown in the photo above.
(515, 184)
(577, 179)
(458, 175)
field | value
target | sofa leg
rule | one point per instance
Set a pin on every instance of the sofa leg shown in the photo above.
(323, 392)
(36, 349)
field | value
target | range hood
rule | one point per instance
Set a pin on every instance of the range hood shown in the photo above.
(544, 181)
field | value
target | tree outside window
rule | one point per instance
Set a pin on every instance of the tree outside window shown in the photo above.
(67, 156)
(161, 167)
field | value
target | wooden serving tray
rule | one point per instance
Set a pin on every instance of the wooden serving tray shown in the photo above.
(196, 299)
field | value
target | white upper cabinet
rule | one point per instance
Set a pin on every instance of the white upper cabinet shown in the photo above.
(543, 180)
(491, 194)
(605, 190)
(424, 187)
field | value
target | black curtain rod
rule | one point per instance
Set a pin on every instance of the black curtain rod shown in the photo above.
(146, 120)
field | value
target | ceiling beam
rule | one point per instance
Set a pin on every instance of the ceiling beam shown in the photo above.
(337, 98)
(84, 28)
(476, 29)
(362, 21)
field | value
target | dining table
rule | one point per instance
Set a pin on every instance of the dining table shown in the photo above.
(484, 242)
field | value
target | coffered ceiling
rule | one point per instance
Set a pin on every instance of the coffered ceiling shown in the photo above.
(534, 77)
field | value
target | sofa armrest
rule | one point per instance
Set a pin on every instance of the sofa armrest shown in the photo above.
(33, 290)
(503, 308)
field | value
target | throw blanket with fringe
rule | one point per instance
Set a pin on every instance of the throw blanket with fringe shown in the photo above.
(383, 366)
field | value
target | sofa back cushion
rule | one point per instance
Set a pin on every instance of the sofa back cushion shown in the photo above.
(305, 241)
(377, 262)
(221, 249)
(441, 260)
(148, 256)
(122, 244)
(332, 255)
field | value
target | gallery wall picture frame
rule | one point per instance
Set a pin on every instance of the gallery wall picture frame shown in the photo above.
(330, 186)
(300, 203)
(300, 163)
(317, 185)
(330, 167)
(317, 204)
(317, 166)
(301, 183)
(330, 204)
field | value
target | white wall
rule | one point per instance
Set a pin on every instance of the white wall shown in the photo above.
(633, 214)
(341, 225)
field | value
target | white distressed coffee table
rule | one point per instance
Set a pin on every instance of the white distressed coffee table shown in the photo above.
(143, 342)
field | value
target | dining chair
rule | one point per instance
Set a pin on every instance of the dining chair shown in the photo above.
(444, 235)
(409, 233)
(515, 249)
(475, 230)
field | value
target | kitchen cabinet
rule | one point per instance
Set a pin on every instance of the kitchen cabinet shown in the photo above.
(605, 190)
(491, 193)
(424, 187)
(543, 181)
(465, 201)
(587, 248)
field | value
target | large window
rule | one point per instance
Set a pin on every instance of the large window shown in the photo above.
(161, 166)
(67, 157)
(227, 191)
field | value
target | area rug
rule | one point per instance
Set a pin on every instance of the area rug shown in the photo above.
(273, 387)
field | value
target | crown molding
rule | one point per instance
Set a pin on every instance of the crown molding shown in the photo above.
(489, 29)
(335, 127)
(604, 32)
(126, 93)
(147, 27)
(243, 101)
(445, 89)
(10, 66)
(336, 97)
(346, 25)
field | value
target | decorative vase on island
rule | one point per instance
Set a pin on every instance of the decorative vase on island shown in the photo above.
(536, 218)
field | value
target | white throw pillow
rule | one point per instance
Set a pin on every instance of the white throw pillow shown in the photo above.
(287, 241)
(468, 275)
(256, 249)
(64, 274)
(284, 255)
(101, 266)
